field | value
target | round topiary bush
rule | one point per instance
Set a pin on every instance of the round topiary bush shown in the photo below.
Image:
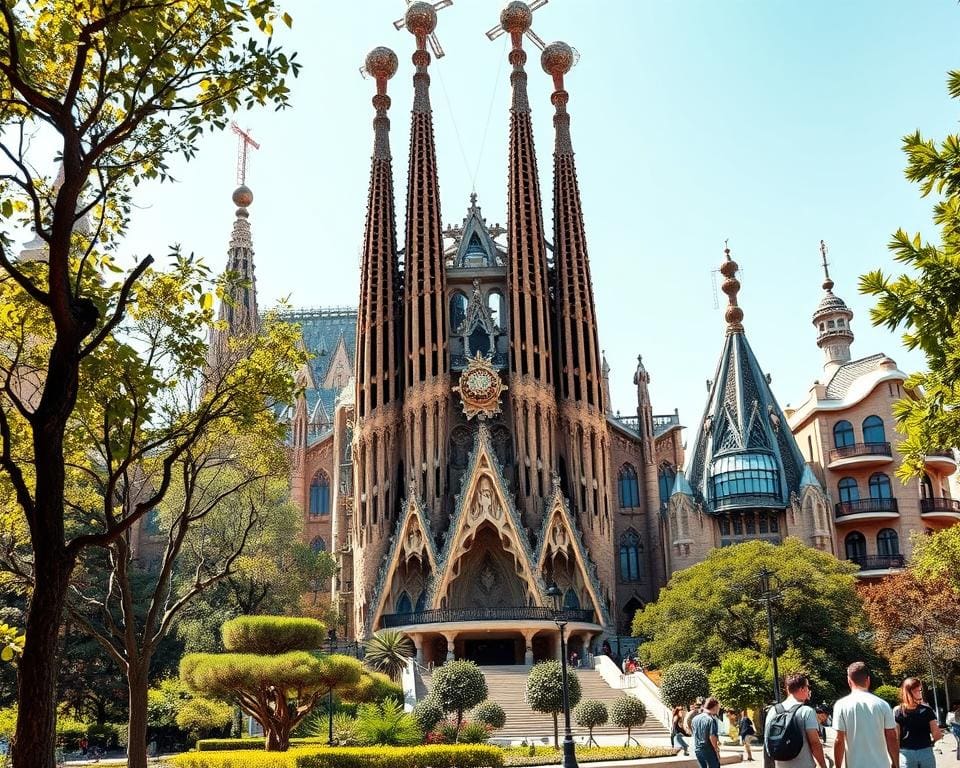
(589, 714)
(428, 713)
(458, 686)
(490, 713)
(628, 712)
(270, 635)
(889, 693)
(545, 691)
(682, 683)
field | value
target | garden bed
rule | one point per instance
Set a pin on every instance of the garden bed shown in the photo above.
(517, 756)
(432, 756)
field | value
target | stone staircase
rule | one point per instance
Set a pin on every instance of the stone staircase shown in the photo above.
(507, 685)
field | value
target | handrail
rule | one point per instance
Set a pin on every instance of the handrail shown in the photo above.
(862, 506)
(939, 504)
(879, 562)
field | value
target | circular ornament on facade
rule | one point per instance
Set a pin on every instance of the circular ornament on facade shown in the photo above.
(480, 388)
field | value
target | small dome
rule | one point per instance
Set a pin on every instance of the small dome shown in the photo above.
(242, 196)
(829, 304)
(516, 17)
(421, 18)
(557, 58)
(381, 62)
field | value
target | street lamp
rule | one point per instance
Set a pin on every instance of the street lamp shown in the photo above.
(569, 755)
(771, 590)
(331, 639)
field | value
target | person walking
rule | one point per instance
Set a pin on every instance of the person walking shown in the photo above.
(917, 727)
(692, 712)
(747, 733)
(866, 730)
(823, 715)
(677, 733)
(803, 721)
(706, 737)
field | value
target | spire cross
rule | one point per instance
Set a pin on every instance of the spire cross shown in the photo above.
(431, 38)
(244, 139)
(827, 282)
(498, 30)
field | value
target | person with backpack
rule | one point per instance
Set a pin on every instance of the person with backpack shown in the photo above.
(917, 726)
(866, 730)
(791, 732)
(706, 735)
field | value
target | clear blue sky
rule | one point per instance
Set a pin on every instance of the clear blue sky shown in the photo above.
(770, 122)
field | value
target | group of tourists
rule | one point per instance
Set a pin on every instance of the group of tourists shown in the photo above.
(869, 733)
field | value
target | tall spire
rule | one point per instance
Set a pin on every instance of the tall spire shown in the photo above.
(832, 319)
(731, 287)
(527, 286)
(425, 330)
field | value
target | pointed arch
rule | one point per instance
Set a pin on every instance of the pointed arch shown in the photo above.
(319, 495)
(631, 556)
(629, 487)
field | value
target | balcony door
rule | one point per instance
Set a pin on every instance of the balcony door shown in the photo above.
(856, 546)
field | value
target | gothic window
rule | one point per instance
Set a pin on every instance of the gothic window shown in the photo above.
(873, 430)
(570, 600)
(888, 542)
(319, 495)
(630, 549)
(458, 310)
(848, 490)
(855, 545)
(422, 601)
(403, 603)
(318, 545)
(495, 305)
(843, 434)
(880, 486)
(629, 488)
(665, 478)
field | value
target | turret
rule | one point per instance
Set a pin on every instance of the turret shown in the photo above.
(832, 320)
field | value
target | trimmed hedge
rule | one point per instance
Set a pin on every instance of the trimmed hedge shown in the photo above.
(252, 742)
(443, 756)
(518, 756)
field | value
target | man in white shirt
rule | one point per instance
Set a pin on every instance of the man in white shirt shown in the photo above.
(798, 690)
(866, 730)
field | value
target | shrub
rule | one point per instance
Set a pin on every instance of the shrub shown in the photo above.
(428, 713)
(70, 731)
(8, 722)
(253, 743)
(589, 714)
(889, 693)
(201, 715)
(549, 756)
(389, 651)
(381, 688)
(387, 724)
(742, 680)
(458, 686)
(474, 733)
(490, 713)
(545, 691)
(442, 756)
(272, 635)
(682, 683)
(628, 712)
(108, 735)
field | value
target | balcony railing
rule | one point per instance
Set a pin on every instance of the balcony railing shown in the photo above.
(449, 615)
(861, 449)
(865, 506)
(879, 562)
(939, 505)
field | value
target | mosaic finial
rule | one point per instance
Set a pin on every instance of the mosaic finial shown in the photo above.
(731, 287)
(827, 282)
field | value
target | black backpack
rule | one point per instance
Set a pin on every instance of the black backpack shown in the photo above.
(783, 733)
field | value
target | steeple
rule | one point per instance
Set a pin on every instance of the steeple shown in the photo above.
(605, 377)
(832, 319)
(425, 330)
(527, 285)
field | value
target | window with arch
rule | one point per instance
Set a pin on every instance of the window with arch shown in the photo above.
(888, 542)
(630, 551)
(843, 434)
(570, 600)
(880, 486)
(458, 310)
(318, 545)
(495, 305)
(855, 545)
(422, 601)
(403, 603)
(848, 489)
(873, 430)
(320, 495)
(665, 478)
(629, 488)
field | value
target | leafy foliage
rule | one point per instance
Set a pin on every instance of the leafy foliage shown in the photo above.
(439, 756)
(271, 635)
(491, 714)
(925, 301)
(386, 723)
(427, 712)
(682, 683)
(388, 651)
(628, 712)
(937, 557)
(589, 714)
(458, 686)
(11, 643)
(545, 691)
(200, 715)
(710, 609)
(743, 680)
(889, 693)
(551, 756)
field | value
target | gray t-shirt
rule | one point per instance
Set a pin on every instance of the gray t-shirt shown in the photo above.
(703, 727)
(863, 718)
(807, 717)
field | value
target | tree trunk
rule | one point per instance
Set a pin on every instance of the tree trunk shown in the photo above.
(37, 669)
(137, 685)
(277, 740)
(556, 732)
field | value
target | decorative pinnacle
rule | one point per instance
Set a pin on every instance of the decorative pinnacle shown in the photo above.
(242, 196)
(557, 59)
(827, 282)
(381, 63)
(731, 287)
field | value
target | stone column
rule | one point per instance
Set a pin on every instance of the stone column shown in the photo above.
(451, 638)
(418, 644)
(528, 646)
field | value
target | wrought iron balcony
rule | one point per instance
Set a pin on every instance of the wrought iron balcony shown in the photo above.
(939, 505)
(861, 449)
(867, 506)
(520, 613)
(879, 562)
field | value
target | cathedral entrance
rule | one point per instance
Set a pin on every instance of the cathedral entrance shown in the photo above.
(490, 651)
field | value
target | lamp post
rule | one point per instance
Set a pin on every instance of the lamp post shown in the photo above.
(569, 754)
(331, 639)
(770, 590)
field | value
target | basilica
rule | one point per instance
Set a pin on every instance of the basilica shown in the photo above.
(453, 442)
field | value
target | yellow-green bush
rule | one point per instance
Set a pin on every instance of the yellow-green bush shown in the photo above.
(518, 756)
(435, 756)
(255, 742)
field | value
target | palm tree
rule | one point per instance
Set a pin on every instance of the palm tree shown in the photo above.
(389, 651)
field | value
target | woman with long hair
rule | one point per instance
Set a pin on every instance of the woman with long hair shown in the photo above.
(677, 733)
(916, 725)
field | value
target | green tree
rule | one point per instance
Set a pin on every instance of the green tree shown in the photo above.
(545, 691)
(458, 686)
(742, 680)
(199, 716)
(682, 683)
(119, 86)
(389, 651)
(710, 609)
(491, 714)
(925, 302)
(272, 672)
(590, 714)
(628, 712)
(937, 557)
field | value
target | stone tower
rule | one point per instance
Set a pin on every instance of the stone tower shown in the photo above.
(832, 320)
